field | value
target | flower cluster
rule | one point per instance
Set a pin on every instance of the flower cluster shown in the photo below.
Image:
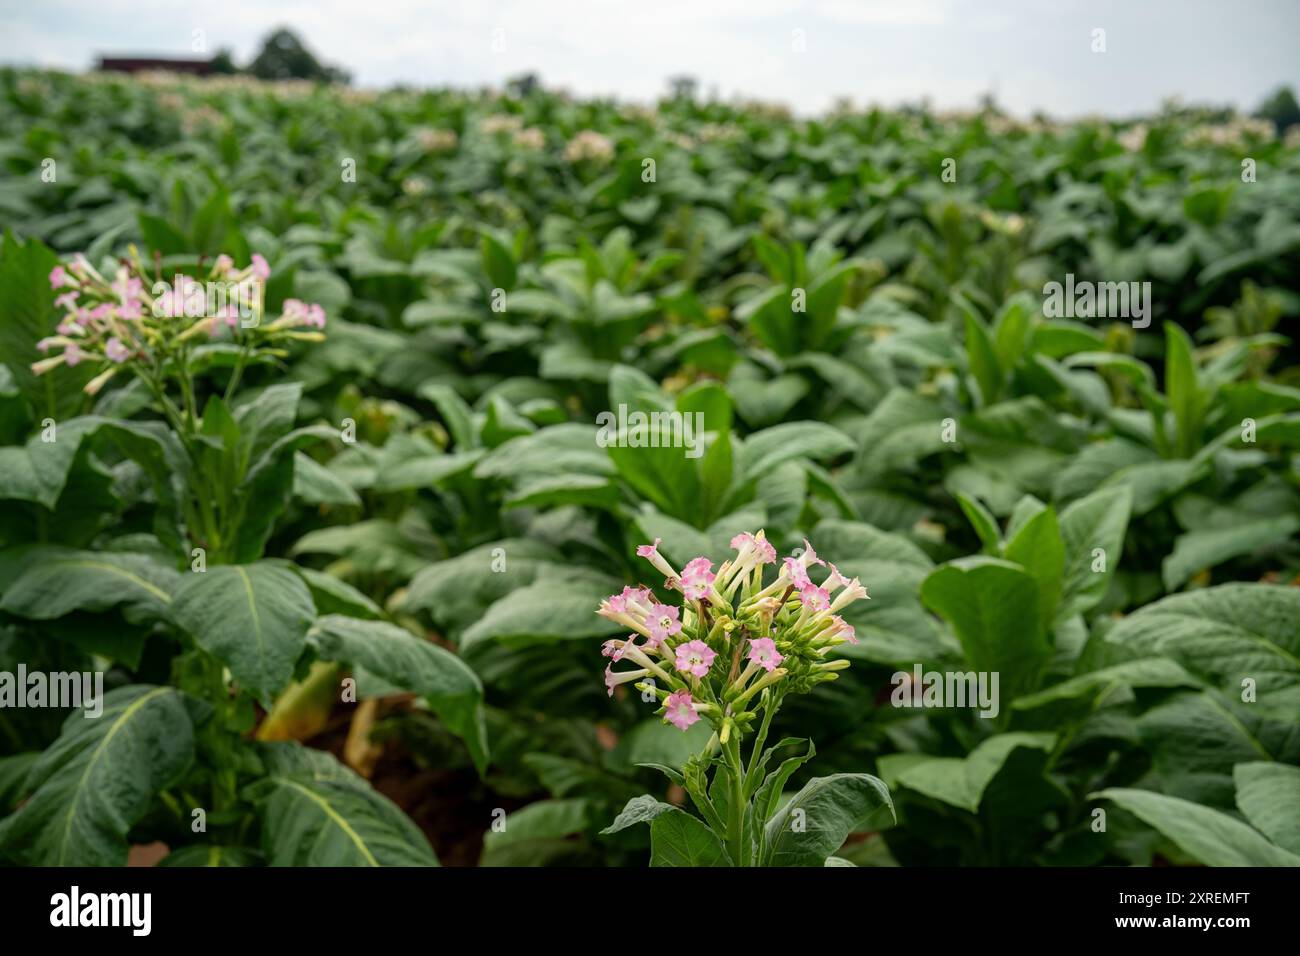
(589, 145)
(133, 319)
(731, 638)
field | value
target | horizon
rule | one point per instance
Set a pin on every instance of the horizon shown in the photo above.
(805, 54)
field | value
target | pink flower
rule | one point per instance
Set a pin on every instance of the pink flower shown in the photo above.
(763, 652)
(844, 630)
(834, 579)
(613, 679)
(815, 598)
(745, 541)
(260, 268)
(223, 264)
(316, 316)
(59, 277)
(43, 345)
(695, 657)
(797, 572)
(681, 710)
(116, 351)
(72, 354)
(67, 301)
(648, 550)
(651, 553)
(697, 578)
(616, 649)
(131, 310)
(663, 623)
(809, 556)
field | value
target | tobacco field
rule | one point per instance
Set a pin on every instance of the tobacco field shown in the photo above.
(338, 559)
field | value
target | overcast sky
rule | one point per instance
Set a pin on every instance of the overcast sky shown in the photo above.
(1034, 54)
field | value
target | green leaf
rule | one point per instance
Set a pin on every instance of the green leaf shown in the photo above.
(1183, 388)
(984, 523)
(1227, 634)
(403, 660)
(1269, 795)
(99, 778)
(1209, 836)
(819, 818)
(769, 792)
(1097, 521)
(58, 581)
(253, 618)
(29, 316)
(1205, 548)
(498, 263)
(317, 812)
(959, 781)
(679, 839)
(458, 591)
(642, 809)
(540, 820)
(1037, 547)
(983, 360)
(556, 607)
(985, 601)
(212, 855)
(1144, 672)
(317, 485)
(763, 452)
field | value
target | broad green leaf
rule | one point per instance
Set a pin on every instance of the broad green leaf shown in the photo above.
(679, 839)
(1205, 548)
(58, 581)
(1227, 634)
(99, 779)
(211, 855)
(251, 617)
(1095, 522)
(1269, 795)
(1144, 672)
(1195, 739)
(317, 485)
(960, 781)
(403, 660)
(819, 818)
(766, 450)
(541, 820)
(316, 812)
(1210, 836)
(458, 591)
(985, 601)
(555, 607)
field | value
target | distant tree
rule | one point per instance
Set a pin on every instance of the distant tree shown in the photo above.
(283, 57)
(683, 87)
(525, 84)
(223, 63)
(1281, 108)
